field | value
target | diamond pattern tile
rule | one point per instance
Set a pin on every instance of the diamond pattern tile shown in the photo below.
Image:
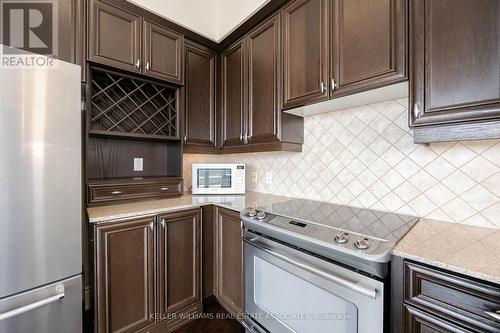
(366, 157)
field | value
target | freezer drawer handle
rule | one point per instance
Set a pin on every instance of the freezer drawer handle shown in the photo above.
(33, 306)
(372, 293)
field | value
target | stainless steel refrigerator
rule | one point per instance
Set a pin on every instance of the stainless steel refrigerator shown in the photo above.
(40, 200)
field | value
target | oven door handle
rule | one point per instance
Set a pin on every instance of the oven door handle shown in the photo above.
(372, 293)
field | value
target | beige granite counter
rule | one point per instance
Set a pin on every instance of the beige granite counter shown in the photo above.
(236, 202)
(461, 248)
(464, 249)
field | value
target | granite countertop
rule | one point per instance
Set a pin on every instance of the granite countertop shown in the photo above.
(461, 248)
(186, 201)
(465, 249)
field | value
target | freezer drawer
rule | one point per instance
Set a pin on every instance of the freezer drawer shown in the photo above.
(50, 309)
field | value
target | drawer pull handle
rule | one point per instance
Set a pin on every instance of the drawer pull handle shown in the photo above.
(495, 315)
(116, 192)
(164, 189)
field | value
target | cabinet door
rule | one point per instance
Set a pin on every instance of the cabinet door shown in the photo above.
(263, 47)
(199, 92)
(305, 52)
(179, 260)
(230, 286)
(71, 34)
(125, 260)
(455, 59)
(417, 321)
(368, 44)
(233, 94)
(163, 50)
(115, 37)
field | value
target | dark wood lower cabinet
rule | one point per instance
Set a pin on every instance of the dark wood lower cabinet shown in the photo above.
(230, 283)
(148, 273)
(435, 300)
(125, 275)
(179, 260)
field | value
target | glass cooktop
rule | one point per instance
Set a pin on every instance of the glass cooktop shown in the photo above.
(383, 225)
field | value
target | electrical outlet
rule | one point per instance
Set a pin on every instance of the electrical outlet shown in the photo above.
(138, 164)
(254, 177)
(269, 178)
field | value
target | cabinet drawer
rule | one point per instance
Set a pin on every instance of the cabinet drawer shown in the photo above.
(108, 193)
(454, 298)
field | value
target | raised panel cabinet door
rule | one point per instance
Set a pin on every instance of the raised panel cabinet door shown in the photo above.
(199, 92)
(368, 44)
(179, 253)
(115, 37)
(230, 283)
(264, 54)
(234, 94)
(305, 52)
(417, 321)
(125, 261)
(163, 53)
(455, 59)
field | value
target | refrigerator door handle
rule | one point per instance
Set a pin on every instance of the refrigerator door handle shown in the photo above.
(34, 305)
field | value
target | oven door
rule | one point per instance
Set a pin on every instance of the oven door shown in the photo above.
(287, 290)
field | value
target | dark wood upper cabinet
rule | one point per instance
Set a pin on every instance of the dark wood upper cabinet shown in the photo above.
(234, 84)
(305, 52)
(125, 275)
(252, 120)
(455, 69)
(115, 37)
(230, 283)
(199, 95)
(179, 265)
(163, 53)
(122, 39)
(264, 55)
(71, 32)
(368, 44)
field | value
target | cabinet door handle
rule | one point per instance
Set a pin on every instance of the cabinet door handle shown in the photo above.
(138, 63)
(152, 226)
(162, 222)
(185, 137)
(322, 87)
(116, 192)
(334, 85)
(241, 137)
(494, 315)
(147, 66)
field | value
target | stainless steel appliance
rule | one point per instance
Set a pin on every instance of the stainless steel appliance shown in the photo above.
(40, 200)
(316, 267)
(218, 178)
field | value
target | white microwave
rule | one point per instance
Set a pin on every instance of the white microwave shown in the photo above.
(218, 179)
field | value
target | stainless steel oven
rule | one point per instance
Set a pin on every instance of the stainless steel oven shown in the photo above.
(318, 267)
(287, 290)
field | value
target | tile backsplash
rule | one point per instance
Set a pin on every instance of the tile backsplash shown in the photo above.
(365, 157)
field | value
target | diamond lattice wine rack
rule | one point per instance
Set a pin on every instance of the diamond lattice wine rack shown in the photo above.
(125, 106)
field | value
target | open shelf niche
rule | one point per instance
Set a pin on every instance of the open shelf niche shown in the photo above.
(131, 117)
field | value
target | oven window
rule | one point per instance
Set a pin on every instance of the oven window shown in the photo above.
(300, 305)
(214, 178)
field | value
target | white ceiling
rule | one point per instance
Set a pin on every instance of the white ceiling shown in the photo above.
(214, 19)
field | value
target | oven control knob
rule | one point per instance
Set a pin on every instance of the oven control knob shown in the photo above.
(362, 243)
(252, 212)
(342, 237)
(261, 215)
